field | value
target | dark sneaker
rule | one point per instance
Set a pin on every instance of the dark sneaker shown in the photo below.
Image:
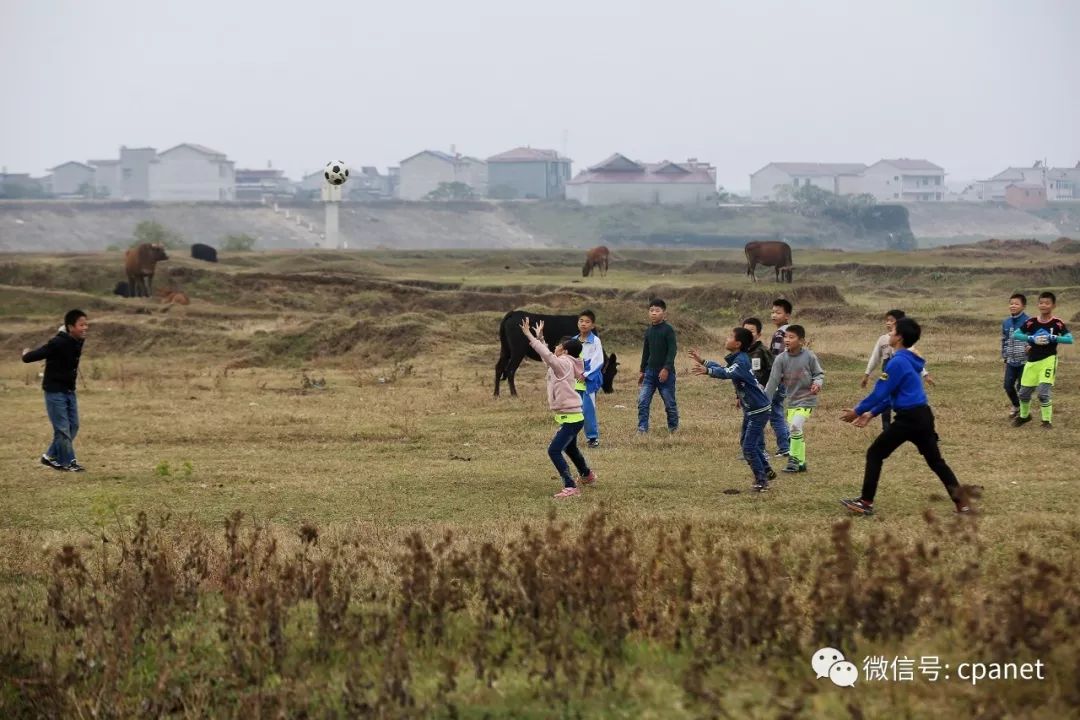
(760, 486)
(857, 506)
(593, 442)
(770, 474)
(74, 467)
(1015, 412)
(962, 507)
(794, 466)
(1047, 425)
(781, 453)
(50, 462)
(1018, 421)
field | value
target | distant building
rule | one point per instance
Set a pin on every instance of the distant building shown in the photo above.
(1025, 196)
(526, 172)
(257, 184)
(126, 178)
(619, 179)
(838, 178)
(72, 178)
(904, 180)
(1063, 184)
(190, 172)
(993, 190)
(423, 172)
(368, 184)
(20, 185)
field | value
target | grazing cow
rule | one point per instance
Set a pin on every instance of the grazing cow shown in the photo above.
(596, 258)
(122, 289)
(771, 253)
(515, 348)
(140, 262)
(200, 251)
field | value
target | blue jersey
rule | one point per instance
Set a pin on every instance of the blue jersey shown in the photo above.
(739, 371)
(900, 388)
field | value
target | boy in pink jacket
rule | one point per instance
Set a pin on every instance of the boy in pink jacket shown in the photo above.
(565, 368)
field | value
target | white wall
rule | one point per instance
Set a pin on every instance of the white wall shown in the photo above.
(641, 193)
(185, 174)
(422, 174)
(891, 184)
(763, 184)
(67, 179)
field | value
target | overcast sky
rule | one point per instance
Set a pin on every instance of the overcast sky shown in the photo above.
(971, 85)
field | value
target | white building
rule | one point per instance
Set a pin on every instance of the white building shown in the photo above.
(838, 178)
(71, 178)
(426, 170)
(190, 172)
(904, 180)
(993, 190)
(620, 180)
(126, 178)
(1063, 184)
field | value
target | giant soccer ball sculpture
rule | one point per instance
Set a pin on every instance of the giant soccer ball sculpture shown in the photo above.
(336, 172)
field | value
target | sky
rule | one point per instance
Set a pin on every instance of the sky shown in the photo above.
(974, 86)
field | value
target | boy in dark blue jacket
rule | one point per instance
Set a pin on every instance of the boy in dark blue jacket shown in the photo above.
(755, 405)
(901, 388)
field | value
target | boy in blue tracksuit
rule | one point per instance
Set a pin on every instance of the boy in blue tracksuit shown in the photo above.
(901, 388)
(1014, 352)
(755, 405)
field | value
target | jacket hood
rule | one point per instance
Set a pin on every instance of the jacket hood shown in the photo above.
(914, 360)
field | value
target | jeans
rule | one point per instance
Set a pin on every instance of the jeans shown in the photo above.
(917, 427)
(778, 420)
(565, 441)
(649, 386)
(588, 409)
(752, 438)
(1012, 382)
(63, 412)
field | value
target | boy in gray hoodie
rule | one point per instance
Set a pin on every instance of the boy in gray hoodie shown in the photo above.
(565, 368)
(798, 370)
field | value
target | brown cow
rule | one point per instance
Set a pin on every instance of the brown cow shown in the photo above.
(596, 258)
(139, 263)
(771, 253)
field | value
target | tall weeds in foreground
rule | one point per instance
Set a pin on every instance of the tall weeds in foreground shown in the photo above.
(160, 620)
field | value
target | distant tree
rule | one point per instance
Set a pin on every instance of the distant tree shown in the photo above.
(451, 191)
(238, 243)
(151, 231)
(89, 190)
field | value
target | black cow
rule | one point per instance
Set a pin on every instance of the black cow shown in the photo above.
(203, 252)
(122, 289)
(515, 348)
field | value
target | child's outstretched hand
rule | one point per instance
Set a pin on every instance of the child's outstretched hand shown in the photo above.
(540, 329)
(698, 369)
(525, 327)
(696, 356)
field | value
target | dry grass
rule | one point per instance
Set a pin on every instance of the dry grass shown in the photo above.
(195, 413)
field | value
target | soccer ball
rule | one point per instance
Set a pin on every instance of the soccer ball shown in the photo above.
(335, 172)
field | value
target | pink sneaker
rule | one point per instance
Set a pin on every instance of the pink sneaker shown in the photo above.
(566, 493)
(589, 479)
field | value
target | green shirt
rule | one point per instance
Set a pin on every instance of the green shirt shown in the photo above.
(659, 349)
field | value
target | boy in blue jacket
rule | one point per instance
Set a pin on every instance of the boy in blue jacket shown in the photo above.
(1013, 351)
(901, 388)
(755, 405)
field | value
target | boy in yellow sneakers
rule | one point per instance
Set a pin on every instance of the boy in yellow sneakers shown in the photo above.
(1043, 334)
(798, 370)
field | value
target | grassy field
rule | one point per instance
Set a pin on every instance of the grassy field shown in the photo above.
(303, 500)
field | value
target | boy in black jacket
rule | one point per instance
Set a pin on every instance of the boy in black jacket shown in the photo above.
(761, 361)
(61, 356)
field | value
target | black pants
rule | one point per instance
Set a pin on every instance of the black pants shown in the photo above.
(916, 426)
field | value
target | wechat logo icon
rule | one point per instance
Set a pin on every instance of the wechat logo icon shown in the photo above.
(829, 662)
